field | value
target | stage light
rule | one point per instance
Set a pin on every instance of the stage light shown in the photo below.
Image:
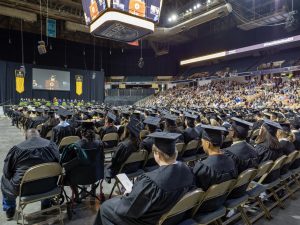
(191, 10)
(170, 19)
(198, 5)
(187, 11)
(195, 7)
(174, 17)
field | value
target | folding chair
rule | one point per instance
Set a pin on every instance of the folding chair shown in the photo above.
(150, 163)
(132, 167)
(67, 141)
(286, 174)
(255, 189)
(49, 135)
(272, 179)
(216, 192)
(190, 152)
(238, 195)
(80, 173)
(183, 206)
(39, 127)
(111, 140)
(295, 169)
(143, 134)
(40, 183)
(180, 147)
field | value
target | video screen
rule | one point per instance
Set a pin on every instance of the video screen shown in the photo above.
(54, 80)
(92, 9)
(149, 9)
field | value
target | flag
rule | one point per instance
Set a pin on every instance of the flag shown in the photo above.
(79, 84)
(20, 80)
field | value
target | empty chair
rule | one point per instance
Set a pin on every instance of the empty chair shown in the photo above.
(40, 183)
(180, 148)
(110, 141)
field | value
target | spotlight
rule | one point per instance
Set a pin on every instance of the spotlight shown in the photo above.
(191, 9)
(198, 5)
(170, 19)
(195, 7)
(187, 11)
(174, 17)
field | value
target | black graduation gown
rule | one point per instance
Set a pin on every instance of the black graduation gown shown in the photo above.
(297, 141)
(243, 154)
(214, 169)
(37, 121)
(59, 132)
(265, 153)
(287, 148)
(31, 152)
(190, 134)
(152, 195)
(124, 150)
(199, 130)
(47, 126)
(147, 144)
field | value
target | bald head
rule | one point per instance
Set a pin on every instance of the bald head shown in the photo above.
(32, 133)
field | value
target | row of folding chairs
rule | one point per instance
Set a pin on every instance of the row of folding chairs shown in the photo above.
(253, 180)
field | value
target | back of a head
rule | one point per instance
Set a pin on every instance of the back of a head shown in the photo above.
(266, 139)
(32, 133)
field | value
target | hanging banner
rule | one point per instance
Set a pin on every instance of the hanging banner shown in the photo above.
(20, 80)
(79, 82)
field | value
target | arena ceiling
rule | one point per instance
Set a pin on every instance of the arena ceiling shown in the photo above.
(71, 10)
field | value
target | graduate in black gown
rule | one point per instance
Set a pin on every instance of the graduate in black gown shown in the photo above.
(109, 128)
(171, 126)
(152, 124)
(190, 133)
(295, 126)
(267, 144)
(33, 151)
(154, 193)
(63, 129)
(49, 124)
(240, 151)
(129, 144)
(216, 168)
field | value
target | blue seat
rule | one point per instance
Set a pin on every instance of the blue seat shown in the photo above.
(208, 217)
(235, 202)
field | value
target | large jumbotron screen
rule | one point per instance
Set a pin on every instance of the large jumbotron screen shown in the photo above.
(56, 80)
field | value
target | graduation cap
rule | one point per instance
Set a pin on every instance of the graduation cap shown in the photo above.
(286, 127)
(190, 116)
(150, 120)
(39, 110)
(134, 126)
(213, 134)
(271, 126)
(165, 142)
(241, 126)
(87, 124)
(111, 116)
(171, 119)
(63, 112)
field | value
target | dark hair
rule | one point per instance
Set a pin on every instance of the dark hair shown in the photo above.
(266, 139)
(151, 128)
(190, 123)
(109, 120)
(88, 134)
(63, 118)
(239, 135)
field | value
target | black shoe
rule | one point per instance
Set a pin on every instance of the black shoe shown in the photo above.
(10, 213)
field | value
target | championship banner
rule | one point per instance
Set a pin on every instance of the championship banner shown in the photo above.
(20, 80)
(79, 82)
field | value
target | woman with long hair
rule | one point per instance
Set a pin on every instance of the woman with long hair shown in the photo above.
(267, 144)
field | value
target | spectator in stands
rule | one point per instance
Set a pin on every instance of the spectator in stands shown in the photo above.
(63, 129)
(155, 192)
(33, 151)
(216, 168)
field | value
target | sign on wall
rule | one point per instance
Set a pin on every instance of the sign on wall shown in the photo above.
(51, 28)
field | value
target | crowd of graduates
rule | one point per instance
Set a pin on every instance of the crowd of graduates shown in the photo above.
(238, 126)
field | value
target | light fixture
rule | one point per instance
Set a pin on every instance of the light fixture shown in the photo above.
(174, 17)
(195, 7)
(198, 5)
(203, 58)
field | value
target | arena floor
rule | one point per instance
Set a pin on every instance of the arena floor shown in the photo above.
(85, 215)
